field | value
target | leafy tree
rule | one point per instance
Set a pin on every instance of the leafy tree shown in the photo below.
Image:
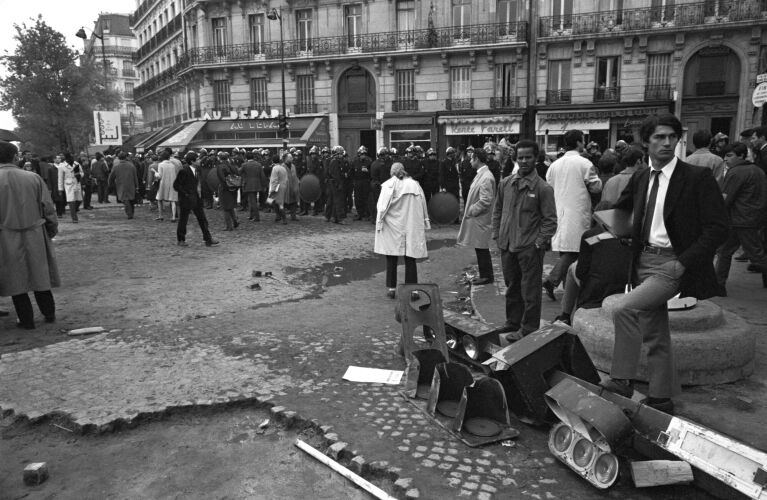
(49, 95)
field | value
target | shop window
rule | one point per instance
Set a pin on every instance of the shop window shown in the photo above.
(304, 29)
(220, 36)
(354, 25)
(256, 31)
(461, 18)
(658, 86)
(401, 139)
(258, 94)
(221, 95)
(305, 94)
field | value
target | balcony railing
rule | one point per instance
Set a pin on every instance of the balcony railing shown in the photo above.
(561, 96)
(305, 108)
(130, 73)
(479, 34)
(140, 11)
(164, 78)
(507, 102)
(607, 94)
(404, 105)
(657, 93)
(170, 29)
(645, 18)
(704, 89)
(459, 104)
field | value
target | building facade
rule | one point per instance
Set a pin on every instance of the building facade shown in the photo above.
(118, 46)
(439, 73)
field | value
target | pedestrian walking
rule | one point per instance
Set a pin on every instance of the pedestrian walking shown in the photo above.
(524, 219)
(401, 223)
(124, 178)
(70, 175)
(100, 172)
(478, 211)
(253, 181)
(188, 185)
(166, 174)
(573, 178)
(28, 221)
(679, 222)
(228, 190)
(88, 182)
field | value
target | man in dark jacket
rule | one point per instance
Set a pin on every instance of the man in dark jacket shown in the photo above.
(125, 180)
(361, 178)
(745, 196)
(431, 175)
(466, 172)
(189, 189)
(448, 174)
(335, 209)
(100, 173)
(679, 222)
(315, 166)
(253, 181)
(379, 173)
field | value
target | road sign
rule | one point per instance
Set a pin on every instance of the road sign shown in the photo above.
(760, 95)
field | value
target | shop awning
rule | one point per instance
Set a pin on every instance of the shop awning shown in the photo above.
(131, 141)
(157, 137)
(317, 132)
(183, 137)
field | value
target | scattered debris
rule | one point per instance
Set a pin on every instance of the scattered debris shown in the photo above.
(338, 269)
(509, 443)
(745, 399)
(373, 375)
(255, 286)
(268, 274)
(62, 428)
(264, 424)
(86, 331)
(256, 274)
(351, 476)
(660, 472)
(35, 473)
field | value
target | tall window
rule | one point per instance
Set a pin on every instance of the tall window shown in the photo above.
(221, 95)
(662, 11)
(256, 23)
(193, 35)
(562, 12)
(220, 36)
(405, 91)
(353, 24)
(607, 80)
(304, 29)
(305, 97)
(507, 11)
(128, 90)
(460, 82)
(658, 81)
(106, 25)
(406, 20)
(461, 18)
(258, 95)
(559, 82)
(505, 85)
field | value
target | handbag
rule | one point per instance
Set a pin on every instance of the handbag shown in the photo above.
(233, 182)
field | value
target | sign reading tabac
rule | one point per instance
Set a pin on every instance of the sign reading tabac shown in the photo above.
(106, 125)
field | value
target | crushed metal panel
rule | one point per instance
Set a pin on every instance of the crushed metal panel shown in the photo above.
(419, 372)
(419, 304)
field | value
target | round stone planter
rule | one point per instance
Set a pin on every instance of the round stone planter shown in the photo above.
(711, 345)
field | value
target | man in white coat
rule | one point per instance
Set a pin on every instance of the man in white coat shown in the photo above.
(573, 177)
(477, 219)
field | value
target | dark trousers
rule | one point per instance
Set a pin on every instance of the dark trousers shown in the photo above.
(751, 241)
(87, 194)
(348, 195)
(522, 274)
(230, 219)
(411, 271)
(102, 191)
(61, 207)
(465, 193)
(253, 205)
(183, 219)
(23, 306)
(207, 193)
(559, 272)
(74, 206)
(484, 263)
(361, 195)
(129, 204)
(335, 207)
(375, 192)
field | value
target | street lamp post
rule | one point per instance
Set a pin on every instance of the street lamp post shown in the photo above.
(283, 120)
(81, 34)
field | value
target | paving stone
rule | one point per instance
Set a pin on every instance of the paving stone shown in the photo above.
(336, 449)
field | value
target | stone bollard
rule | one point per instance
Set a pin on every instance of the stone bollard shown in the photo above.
(711, 345)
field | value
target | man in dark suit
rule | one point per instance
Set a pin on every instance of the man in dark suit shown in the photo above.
(187, 184)
(673, 245)
(253, 181)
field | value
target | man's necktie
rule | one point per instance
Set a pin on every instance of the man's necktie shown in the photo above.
(650, 207)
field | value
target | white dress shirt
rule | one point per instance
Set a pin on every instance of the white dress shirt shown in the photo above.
(658, 234)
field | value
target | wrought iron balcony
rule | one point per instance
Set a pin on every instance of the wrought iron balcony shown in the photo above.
(507, 102)
(129, 73)
(305, 108)
(607, 94)
(170, 29)
(404, 105)
(386, 42)
(658, 93)
(164, 78)
(561, 96)
(658, 17)
(459, 104)
(705, 89)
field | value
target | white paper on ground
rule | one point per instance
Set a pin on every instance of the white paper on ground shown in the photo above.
(373, 375)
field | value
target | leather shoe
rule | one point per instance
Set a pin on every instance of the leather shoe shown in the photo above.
(549, 287)
(564, 318)
(623, 388)
(661, 404)
(25, 326)
(182, 244)
(211, 243)
(50, 319)
(482, 281)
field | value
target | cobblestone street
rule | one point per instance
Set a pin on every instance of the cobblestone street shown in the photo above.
(186, 333)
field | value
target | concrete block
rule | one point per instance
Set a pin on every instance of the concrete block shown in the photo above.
(412, 493)
(35, 473)
(336, 450)
(358, 465)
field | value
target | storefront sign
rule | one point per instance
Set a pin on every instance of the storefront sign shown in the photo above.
(759, 96)
(242, 114)
(107, 128)
(243, 125)
(500, 128)
(559, 127)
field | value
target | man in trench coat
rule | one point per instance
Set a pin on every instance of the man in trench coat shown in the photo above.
(27, 224)
(125, 179)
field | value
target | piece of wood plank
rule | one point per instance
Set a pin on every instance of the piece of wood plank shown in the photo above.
(660, 472)
(351, 476)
